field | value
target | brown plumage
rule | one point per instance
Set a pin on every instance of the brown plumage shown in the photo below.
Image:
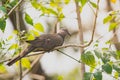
(45, 42)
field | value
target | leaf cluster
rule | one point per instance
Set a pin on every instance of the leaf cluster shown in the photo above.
(113, 19)
(107, 61)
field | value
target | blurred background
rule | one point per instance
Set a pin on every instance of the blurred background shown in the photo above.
(51, 15)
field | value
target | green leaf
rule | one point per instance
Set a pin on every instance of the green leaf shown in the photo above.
(98, 75)
(83, 2)
(107, 19)
(51, 11)
(61, 16)
(0, 45)
(98, 54)
(34, 33)
(96, 45)
(60, 78)
(88, 58)
(116, 75)
(108, 42)
(35, 4)
(92, 69)
(2, 24)
(117, 68)
(30, 36)
(39, 27)
(15, 32)
(25, 63)
(105, 49)
(118, 54)
(66, 1)
(113, 54)
(10, 37)
(17, 51)
(13, 46)
(112, 26)
(87, 76)
(28, 19)
(107, 68)
(105, 59)
(13, 3)
(2, 68)
(3, 9)
(53, 4)
(93, 4)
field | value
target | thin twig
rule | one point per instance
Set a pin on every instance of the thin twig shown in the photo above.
(18, 28)
(91, 8)
(2, 61)
(20, 66)
(69, 56)
(94, 26)
(19, 2)
(36, 53)
(56, 26)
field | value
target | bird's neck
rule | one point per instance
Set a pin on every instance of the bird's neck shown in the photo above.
(62, 35)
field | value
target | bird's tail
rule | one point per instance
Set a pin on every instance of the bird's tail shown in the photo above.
(21, 55)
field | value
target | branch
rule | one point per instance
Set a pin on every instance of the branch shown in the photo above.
(35, 53)
(37, 77)
(39, 52)
(79, 22)
(94, 27)
(56, 26)
(19, 2)
(82, 69)
(91, 8)
(2, 61)
(18, 28)
(20, 66)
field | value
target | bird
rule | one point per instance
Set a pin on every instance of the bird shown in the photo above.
(45, 42)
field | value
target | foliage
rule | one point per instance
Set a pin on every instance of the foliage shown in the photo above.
(87, 76)
(88, 58)
(54, 9)
(98, 75)
(28, 19)
(60, 78)
(113, 19)
(25, 63)
(108, 66)
(2, 24)
(39, 27)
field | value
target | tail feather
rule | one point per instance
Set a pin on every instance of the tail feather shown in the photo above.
(14, 60)
(21, 55)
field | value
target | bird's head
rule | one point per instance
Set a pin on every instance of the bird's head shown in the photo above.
(63, 32)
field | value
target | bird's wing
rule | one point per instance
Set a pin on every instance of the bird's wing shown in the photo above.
(38, 41)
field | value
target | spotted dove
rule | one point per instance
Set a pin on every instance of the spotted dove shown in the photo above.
(46, 42)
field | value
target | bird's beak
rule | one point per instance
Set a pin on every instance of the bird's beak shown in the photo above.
(69, 34)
